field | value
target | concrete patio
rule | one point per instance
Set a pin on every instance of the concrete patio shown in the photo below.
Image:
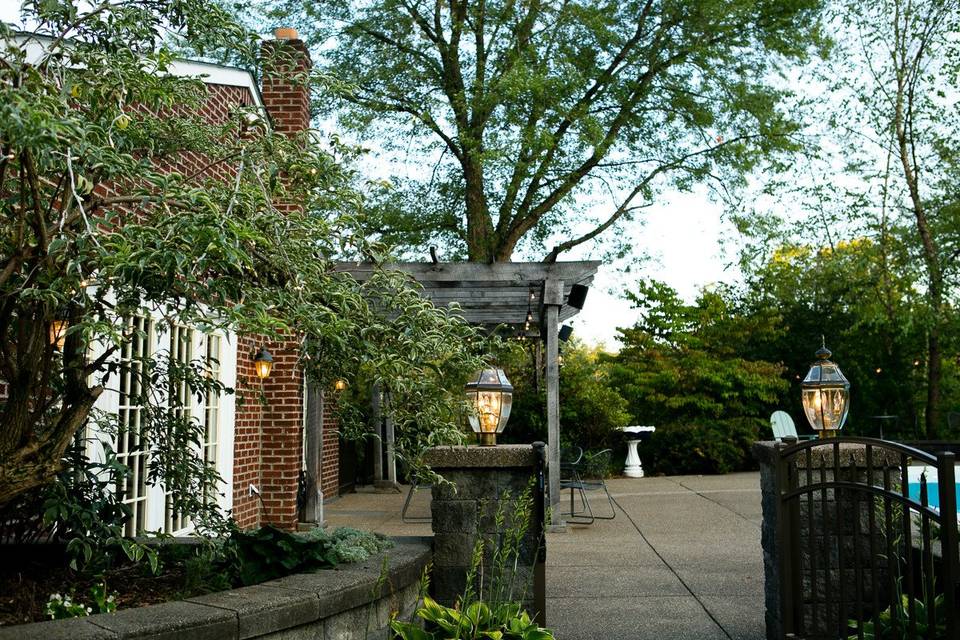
(681, 560)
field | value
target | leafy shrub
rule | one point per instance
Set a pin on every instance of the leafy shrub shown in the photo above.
(251, 557)
(478, 620)
(718, 447)
(591, 410)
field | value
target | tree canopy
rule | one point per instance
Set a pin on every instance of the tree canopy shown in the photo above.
(99, 224)
(517, 117)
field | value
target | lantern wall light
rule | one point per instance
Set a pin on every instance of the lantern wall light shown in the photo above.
(58, 333)
(263, 363)
(825, 394)
(340, 384)
(491, 396)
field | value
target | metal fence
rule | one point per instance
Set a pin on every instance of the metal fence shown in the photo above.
(863, 552)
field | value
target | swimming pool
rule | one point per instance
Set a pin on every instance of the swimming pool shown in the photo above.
(933, 484)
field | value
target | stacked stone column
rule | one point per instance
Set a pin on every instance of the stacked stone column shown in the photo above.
(480, 482)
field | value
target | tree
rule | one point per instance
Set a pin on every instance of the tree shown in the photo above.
(684, 362)
(864, 298)
(883, 154)
(690, 370)
(98, 226)
(525, 111)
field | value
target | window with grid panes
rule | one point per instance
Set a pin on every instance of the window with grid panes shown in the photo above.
(211, 410)
(131, 449)
(181, 352)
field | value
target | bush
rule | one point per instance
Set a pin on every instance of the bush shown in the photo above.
(718, 447)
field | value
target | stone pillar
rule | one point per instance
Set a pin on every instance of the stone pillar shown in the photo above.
(823, 536)
(482, 482)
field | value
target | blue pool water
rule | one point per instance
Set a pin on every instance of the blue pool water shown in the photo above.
(933, 486)
(933, 493)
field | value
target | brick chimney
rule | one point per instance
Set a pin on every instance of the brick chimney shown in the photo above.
(269, 422)
(286, 69)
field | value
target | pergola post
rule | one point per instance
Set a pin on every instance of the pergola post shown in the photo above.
(552, 301)
(376, 418)
(313, 435)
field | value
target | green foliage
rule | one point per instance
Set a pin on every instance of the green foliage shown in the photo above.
(98, 226)
(252, 557)
(504, 622)
(889, 626)
(690, 370)
(563, 101)
(862, 297)
(714, 447)
(61, 606)
(591, 410)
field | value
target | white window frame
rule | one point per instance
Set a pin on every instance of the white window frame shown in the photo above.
(109, 402)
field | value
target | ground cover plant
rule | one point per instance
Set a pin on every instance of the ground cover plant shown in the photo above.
(36, 587)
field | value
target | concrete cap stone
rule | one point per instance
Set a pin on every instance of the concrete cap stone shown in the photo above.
(170, 620)
(264, 609)
(72, 629)
(476, 457)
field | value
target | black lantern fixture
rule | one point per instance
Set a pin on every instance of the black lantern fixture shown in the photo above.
(825, 394)
(491, 396)
(58, 333)
(263, 363)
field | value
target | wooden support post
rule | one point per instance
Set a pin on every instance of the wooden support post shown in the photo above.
(552, 301)
(376, 418)
(391, 451)
(313, 436)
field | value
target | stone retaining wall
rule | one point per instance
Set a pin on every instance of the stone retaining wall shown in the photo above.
(352, 602)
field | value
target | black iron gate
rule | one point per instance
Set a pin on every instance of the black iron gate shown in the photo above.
(862, 551)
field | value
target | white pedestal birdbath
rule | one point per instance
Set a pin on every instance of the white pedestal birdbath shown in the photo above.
(635, 434)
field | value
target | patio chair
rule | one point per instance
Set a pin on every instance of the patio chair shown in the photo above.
(576, 475)
(414, 486)
(783, 427)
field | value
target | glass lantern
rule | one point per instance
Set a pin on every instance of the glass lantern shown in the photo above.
(491, 396)
(825, 393)
(263, 363)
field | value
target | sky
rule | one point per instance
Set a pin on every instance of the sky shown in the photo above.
(681, 234)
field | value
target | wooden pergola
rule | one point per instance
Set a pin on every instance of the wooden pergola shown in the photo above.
(527, 297)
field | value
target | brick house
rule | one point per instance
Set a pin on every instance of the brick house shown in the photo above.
(255, 437)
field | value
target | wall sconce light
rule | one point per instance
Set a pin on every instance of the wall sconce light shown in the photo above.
(340, 384)
(58, 333)
(263, 363)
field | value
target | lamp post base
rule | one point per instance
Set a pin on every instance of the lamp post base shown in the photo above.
(488, 439)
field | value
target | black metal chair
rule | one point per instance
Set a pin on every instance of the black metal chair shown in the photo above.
(577, 475)
(414, 486)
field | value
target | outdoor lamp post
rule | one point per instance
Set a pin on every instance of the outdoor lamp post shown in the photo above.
(491, 395)
(825, 393)
(263, 363)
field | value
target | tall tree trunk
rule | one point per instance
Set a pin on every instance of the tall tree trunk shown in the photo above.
(934, 375)
(480, 233)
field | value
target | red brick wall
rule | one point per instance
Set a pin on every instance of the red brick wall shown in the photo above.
(330, 456)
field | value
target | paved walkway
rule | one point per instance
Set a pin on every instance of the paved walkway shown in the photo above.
(681, 560)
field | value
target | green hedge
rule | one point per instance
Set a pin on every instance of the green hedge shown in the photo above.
(717, 447)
